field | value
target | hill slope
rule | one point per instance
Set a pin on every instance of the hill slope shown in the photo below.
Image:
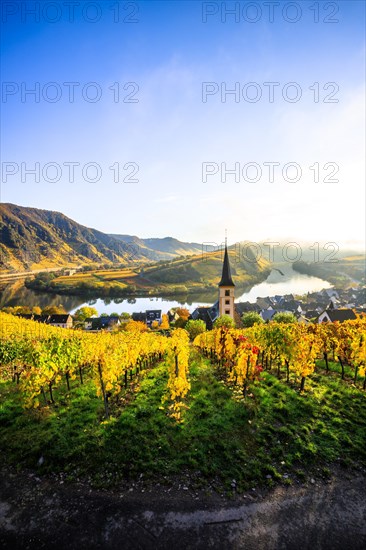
(32, 239)
(183, 276)
(161, 249)
(205, 270)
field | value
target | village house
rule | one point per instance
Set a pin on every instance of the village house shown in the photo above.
(208, 314)
(246, 307)
(59, 320)
(153, 315)
(267, 314)
(312, 315)
(105, 322)
(148, 317)
(339, 315)
(62, 321)
(172, 315)
(139, 317)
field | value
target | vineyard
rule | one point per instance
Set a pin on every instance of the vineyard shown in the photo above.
(243, 354)
(37, 357)
(260, 403)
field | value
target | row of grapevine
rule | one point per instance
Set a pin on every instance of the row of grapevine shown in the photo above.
(235, 356)
(37, 357)
(178, 383)
(241, 354)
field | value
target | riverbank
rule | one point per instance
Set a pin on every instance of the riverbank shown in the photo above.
(341, 273)
(290, 282)
(130, 284)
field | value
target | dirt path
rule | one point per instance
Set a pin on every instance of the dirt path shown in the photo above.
(48, 514)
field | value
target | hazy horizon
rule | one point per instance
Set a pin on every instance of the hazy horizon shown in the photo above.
(274, 245)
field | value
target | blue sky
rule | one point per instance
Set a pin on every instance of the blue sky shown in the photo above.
(168, 136)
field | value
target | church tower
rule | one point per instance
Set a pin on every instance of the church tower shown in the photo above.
(226, 289)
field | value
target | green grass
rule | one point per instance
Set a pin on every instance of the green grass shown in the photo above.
(275, 435)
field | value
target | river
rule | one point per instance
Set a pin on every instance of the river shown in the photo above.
(287, 281)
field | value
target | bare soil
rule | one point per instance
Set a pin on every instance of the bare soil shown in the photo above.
(48, 513)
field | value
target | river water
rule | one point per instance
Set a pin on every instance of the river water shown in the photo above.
(287, 281)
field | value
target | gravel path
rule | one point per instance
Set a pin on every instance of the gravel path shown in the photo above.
(48, 514)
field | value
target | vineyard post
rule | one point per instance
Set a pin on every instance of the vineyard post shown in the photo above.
(103, 390)
(342, 366)
(51, 394)
(245, 385)
(16, 375)
(279, 370)
(287, 370)
(44, 395)
(67, 380)
(176, 366)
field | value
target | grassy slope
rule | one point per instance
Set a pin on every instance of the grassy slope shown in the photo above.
(184, 274)
(207, 269)
(276, 435)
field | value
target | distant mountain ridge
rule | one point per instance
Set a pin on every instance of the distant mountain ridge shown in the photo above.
(31, 238)
(161, 249)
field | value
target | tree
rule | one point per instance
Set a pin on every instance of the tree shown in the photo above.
(9, 309)
(164, 322)
(135, 326)
(36, 310)
(224, 321)
(183, 313)
(195, 328)
(125, 316)
(251, 318)
(54, 310)
(282, 317)
(84, 313)
(180, 322)
(24, 310)
(17, 310)
(20, 310)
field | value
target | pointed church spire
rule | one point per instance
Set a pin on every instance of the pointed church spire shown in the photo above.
(226, 279)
